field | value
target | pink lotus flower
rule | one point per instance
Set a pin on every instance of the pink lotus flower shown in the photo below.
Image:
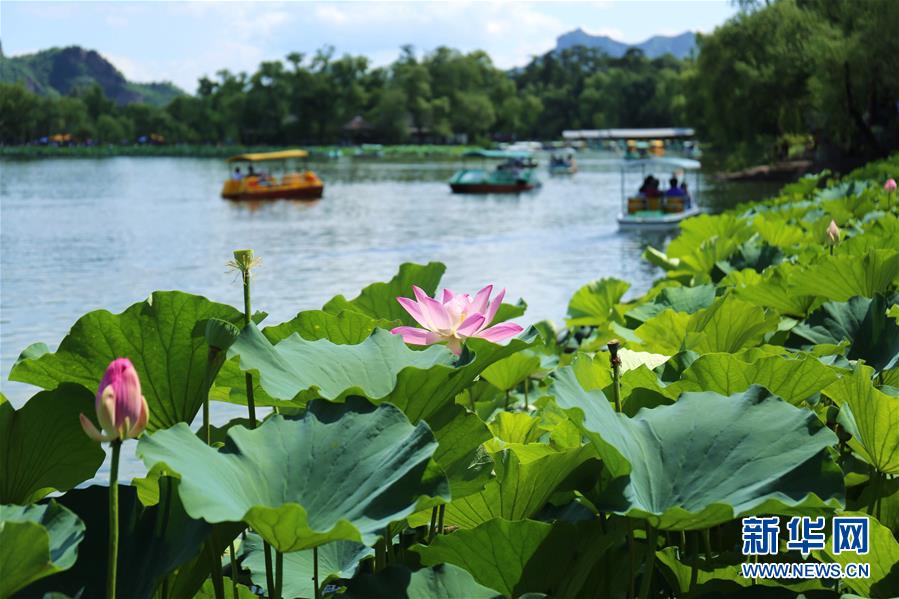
(890, 185)
(121, 409)
(455, 319)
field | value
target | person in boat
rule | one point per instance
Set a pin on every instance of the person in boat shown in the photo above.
(687, 199)
(673, 189)
(237, 175)
(647, 184)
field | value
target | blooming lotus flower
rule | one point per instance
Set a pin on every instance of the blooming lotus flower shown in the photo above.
(890, 185)
(454, 319)
(121, 409)
(833, 233)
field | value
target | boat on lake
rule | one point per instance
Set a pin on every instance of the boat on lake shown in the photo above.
(513, 175)
(647, 204)
(562, 165)
(272, 176)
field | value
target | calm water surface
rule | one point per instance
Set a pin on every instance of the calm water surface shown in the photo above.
(83, 234)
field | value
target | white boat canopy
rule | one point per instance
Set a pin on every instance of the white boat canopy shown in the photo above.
(661, 161)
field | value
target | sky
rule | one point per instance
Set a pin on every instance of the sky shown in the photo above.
(182, 41)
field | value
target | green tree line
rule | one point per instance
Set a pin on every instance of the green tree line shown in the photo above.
(819, 72)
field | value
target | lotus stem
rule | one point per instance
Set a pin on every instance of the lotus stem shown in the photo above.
(215, 572)
(506, 408)
(707, 541)
(526, 381)
(113, 560)
(206, 430)
(616, 372)
(233, 560)
(269, 573)
(279, 573)
(318, 591)
(440, 515)
(433, 526)
(632, 560)
(651, 537)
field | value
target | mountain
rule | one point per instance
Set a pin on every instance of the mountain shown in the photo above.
(58, 71)
(658, 45)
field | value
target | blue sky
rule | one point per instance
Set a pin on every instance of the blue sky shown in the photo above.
(181, 41)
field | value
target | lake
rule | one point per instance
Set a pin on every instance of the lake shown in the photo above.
(83, 234)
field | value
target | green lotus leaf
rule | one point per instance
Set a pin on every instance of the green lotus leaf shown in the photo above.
(298, 482)
(873, 418)
(840, 278)
(443, 581)
(695, 231)
(526, 477)
(164, 337)
(347, 328)
(863, 322)
(44, 448)
(775, 292)
(679, 475)
(153, 543)
(660, 259)
(728, 325)
(339, 559)
(378, 300)
(329, 370)
(595, 303)
(722, 578)
(751, 254)
(423, 384)
(509, 372)
(664, 333)
(459, 435)
(207, 591)
(516, 427)
(527, 556)
(36, 541)
(778, 233)
(679, 299)
(882, 557)
(793, 379)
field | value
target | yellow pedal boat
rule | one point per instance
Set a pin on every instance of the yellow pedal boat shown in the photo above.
(272, 176)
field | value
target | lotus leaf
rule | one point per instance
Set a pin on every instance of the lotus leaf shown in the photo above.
(162, 336)
(526, 556)
(348, 327)
(36, 541)
(862, 321)
(753, 454)
(526, 477)
(794, 379)
(44, 447)
(873, 416)
(679, 299)
(339, 559)
(595, 303)
(153, 542)
(341, 472)
(509, 372)
(443, 581)
(883, 558)
(378, 300)
(840, 278)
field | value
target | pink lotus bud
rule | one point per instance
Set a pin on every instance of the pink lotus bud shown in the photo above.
(833, 233)
(890, 185)
(121, 409)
